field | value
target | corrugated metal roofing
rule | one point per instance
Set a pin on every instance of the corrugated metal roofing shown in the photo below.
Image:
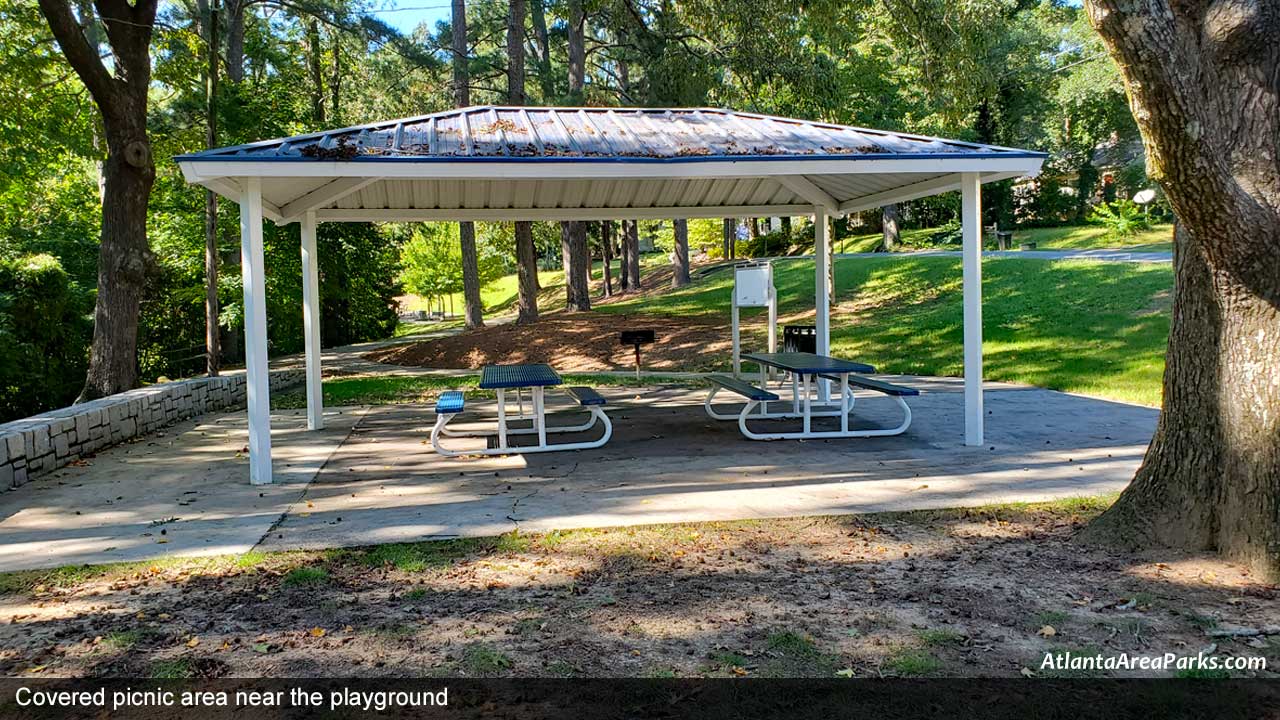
(513, 133)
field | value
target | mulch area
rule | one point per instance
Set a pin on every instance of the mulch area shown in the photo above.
(980, 592)
(573, 342)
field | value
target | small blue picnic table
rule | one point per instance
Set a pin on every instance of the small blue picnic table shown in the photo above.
(536, 378)
(807, 370)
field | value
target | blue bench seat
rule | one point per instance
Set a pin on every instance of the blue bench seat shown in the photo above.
(741, 387)
(585, 396)
(450, 402)
(877, 385)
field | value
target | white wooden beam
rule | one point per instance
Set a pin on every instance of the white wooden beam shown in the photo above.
(558, 214)
(971, 232)
(257, 379)
(311, 322)
(323, 195)
(806, 189)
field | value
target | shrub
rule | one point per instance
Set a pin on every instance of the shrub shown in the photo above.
(45, 328)
(1122, 218)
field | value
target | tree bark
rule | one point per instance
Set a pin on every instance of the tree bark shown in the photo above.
(1204, 83)
(889, 219)
(624, 271)
(577, 255)
(577, 52)
(680, 269)
(474, 307)
(129, 172)
(235, 39)
(526, 253)
(212, 327)
(538, 17)
(606, 252)
(314, 58)
(631, 242)
(727, 241)
(577, 265)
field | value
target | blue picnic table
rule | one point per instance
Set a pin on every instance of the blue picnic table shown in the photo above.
(536, 378)
(807, 370)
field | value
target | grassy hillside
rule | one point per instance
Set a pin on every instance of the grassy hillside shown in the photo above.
(1090, 327)
(1074, 237)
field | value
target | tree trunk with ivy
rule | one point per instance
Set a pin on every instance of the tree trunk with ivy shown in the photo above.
(1204, 83)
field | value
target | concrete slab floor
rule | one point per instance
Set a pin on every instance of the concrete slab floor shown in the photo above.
(184, 491)
(373, 477)
(669, 462)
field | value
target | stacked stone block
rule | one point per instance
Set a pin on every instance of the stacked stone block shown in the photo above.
(42, 443)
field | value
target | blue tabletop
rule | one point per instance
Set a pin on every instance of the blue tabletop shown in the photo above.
(515, 376)
(808, 363)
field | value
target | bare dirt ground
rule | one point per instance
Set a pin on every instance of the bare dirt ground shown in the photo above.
(984, 592)
(572, 342)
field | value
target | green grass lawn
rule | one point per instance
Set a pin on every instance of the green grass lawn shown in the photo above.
(1071, 237)
(1091, 327)
(399, 389)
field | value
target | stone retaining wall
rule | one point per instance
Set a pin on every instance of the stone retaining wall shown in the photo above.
(39, 444)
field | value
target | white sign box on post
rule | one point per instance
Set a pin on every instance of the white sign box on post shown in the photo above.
(753, 287)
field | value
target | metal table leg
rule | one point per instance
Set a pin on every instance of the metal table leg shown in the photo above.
(502, 418)
(540, 416)
(808, 406)
(844, 402)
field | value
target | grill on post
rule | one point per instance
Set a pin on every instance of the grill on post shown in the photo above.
(636, 338)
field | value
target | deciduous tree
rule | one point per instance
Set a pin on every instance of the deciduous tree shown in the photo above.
(1204, 83)
(128, 173)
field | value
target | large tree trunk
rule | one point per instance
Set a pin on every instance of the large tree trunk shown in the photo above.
(624, 269)
(128, 174)
(631, 241)
(577, 265)
(606, 253)
(1204, 82)
(577, 52)
(546, 79)
(680, 269)
(212, 328)
(889, 220)
(577, 255)
(526, 253)
(466, 230)
(235, 39)
(315, 53)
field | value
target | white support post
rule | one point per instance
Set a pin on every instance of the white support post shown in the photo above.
(821, 304)
(311, 322)
(971, 221)
(257, 387)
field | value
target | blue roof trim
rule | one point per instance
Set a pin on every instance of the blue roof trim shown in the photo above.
(622, 159)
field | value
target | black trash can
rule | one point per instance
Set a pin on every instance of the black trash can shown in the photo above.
(800, 338)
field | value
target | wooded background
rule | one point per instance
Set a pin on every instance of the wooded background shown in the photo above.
(1009, 72)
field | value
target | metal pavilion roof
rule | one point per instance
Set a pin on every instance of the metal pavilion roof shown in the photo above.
(602, 133)
(545, 163)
